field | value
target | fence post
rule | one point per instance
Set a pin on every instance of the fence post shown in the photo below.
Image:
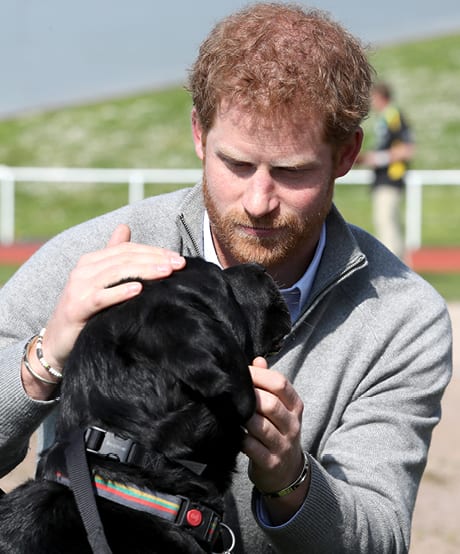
(7, 207)
(136, 187)
(413, 212)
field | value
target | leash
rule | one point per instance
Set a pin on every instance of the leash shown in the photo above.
(81, 486)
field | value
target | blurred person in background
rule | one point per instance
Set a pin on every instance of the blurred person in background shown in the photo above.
(389, 159)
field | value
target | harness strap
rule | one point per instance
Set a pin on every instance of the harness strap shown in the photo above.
(82, 489)
(114, 447)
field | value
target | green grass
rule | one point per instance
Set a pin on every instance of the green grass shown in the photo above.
(152, 130)
(149, 130)
(6, 271)
(440, 216)
(447, 284)
(45, 211)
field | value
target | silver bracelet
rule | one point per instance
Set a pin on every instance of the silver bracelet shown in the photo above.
(41, 358)
(25, 361)
(295, 484)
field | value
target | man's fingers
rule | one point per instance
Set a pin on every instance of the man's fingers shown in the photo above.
(121, 234)
(126, 260)
(113, 295)
(108, 271)
(275, 384)
(260, 362)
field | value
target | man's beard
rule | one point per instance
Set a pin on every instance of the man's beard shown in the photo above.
(292, 233)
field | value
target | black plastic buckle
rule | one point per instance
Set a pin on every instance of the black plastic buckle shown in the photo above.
(108, 445)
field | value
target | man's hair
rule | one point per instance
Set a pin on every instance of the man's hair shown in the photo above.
(279, 61)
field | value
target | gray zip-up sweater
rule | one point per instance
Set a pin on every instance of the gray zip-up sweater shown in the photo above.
(370, 356)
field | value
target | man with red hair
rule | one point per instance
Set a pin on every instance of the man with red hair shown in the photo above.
(344, 416)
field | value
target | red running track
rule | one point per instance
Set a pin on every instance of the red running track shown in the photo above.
(430, 260)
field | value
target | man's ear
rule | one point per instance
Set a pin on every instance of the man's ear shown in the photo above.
(347, 153)
(198, 135)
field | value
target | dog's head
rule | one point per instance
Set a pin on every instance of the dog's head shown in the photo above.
(170, 366)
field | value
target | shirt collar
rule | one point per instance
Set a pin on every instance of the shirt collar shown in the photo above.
(210, 254)
(295, 296)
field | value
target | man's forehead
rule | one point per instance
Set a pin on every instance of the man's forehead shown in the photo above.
(270, 118)
(236, 132)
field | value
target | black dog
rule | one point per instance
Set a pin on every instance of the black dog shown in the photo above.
(159, 388)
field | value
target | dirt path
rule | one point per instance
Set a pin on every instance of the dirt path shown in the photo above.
(436, 527)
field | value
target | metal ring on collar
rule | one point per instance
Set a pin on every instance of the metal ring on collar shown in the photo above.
(232, 538)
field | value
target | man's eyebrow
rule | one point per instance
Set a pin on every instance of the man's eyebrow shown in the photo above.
(288, 165)
(295, 165)
(231, 156)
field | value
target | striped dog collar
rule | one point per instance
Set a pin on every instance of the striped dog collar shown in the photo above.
(201, 521)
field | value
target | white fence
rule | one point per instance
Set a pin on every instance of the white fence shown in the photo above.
(136, 179)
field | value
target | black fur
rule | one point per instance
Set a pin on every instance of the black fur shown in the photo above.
(168, 369)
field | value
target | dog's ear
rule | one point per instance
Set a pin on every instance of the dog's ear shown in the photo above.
(264, 307)
(220, 378)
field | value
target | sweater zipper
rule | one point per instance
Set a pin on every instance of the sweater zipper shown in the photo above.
(192, 239)
(358, 264)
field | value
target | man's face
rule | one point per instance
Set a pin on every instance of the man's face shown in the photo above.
(267, 191)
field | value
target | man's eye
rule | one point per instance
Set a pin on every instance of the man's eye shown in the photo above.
(234, 163)
(294, 170)
(289, 172)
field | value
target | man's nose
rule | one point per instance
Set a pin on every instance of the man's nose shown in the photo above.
(259, 196)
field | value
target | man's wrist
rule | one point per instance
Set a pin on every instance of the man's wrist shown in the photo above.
(382, 158)
(37, 384)
(281, 509)
(303, 476)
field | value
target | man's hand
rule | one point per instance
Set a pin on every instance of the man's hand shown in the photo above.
(88, 290)
(273, 440)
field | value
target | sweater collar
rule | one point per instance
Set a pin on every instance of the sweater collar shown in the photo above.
(341, 256)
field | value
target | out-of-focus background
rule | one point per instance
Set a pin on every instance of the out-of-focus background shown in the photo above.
(92, 105)
(99, 85)
(54, 52)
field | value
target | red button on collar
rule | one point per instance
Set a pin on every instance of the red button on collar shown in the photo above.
(194, 518)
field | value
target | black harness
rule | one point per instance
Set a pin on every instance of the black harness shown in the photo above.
(70, 468)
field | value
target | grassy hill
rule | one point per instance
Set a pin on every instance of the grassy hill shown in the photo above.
(153, 130)
(149, 130)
